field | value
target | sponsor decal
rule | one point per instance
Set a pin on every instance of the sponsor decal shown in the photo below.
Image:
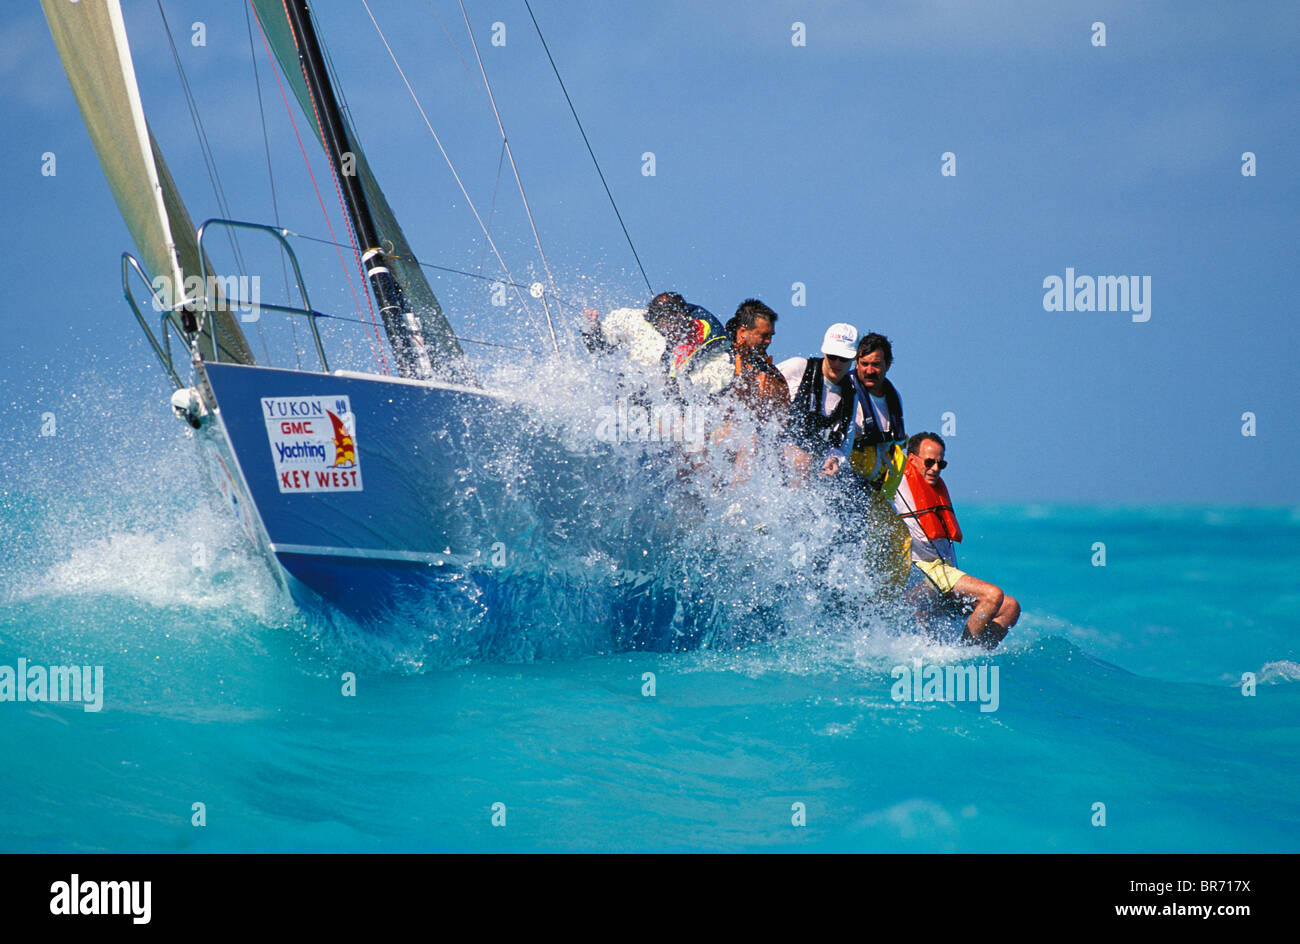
(313, 443)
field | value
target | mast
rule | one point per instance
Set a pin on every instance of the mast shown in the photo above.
(400, 323)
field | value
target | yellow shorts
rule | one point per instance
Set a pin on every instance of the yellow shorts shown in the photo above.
(942, 574)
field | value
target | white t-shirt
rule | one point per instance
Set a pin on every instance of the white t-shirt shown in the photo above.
(711, 372)
(792, 370)
(881, 409)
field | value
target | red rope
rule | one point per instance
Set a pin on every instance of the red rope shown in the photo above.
(376, 345)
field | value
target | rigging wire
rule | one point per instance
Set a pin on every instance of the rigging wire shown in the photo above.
(347, 272)
(385, 234)
(364, 323)
(446, 31)
(537, 239)
(205, 149)
(345, 116)
(275, 206)
(560, 300)
(446, 157)
(583, 132)
(496, 187)
(353, 237)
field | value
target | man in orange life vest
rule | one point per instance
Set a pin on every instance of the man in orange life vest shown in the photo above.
(757, 384)
(922, 501)
(758, 391)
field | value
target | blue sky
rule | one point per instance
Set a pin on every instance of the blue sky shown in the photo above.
(775, 164)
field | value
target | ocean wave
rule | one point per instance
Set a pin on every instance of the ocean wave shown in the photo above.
(1283, 671)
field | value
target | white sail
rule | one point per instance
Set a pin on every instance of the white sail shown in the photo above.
(91, 38)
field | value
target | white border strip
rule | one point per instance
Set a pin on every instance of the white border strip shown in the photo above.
(419, 557)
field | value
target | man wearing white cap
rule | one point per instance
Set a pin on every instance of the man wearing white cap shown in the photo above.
(821, 400)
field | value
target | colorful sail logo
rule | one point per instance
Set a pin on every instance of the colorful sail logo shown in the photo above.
(345, 450)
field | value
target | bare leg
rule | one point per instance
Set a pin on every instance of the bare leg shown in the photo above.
(994, 614)
(1008, 614)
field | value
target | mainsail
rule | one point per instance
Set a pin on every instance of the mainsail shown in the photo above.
(91, 39)
(444, 350)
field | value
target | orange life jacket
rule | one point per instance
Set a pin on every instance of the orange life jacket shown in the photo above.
(760, 386)
(933, 506)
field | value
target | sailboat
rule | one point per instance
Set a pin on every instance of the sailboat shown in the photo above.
(359, 488)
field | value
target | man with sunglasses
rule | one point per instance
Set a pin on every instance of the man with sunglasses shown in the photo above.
(821, 398)
(922, 501)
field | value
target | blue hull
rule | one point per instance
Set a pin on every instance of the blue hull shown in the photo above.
(457, 497)
(418, 496)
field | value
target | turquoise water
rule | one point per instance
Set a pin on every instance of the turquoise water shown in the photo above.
(1120, 686)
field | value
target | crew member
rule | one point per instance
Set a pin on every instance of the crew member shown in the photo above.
(757, 383)
(922, 501)
(685, 340)
(821, 403)
(873, 451)
(873, 444)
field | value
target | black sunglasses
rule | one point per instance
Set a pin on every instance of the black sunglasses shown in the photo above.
(941, 462)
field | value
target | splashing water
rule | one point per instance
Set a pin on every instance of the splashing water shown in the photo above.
(219, 689)
(619, 541)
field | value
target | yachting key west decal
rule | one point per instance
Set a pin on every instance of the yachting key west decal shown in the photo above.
(313, 443)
